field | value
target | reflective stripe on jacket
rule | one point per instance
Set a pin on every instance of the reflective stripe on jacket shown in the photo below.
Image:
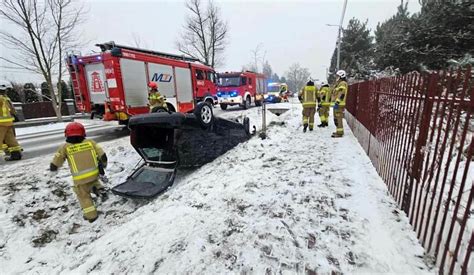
(325, 96)
(309, 96)
(83, 160)
(6, 110)
(340, 93)
(156, 99)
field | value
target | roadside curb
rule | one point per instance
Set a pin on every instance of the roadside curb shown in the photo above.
(47, 120)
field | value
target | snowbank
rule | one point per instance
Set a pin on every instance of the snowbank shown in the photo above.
(296, 202)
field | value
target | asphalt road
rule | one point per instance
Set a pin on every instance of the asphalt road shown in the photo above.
(47, 142)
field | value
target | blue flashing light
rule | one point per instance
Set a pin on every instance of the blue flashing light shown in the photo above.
(80, 60)
(233, 93)
(99, 57)
(219, 93)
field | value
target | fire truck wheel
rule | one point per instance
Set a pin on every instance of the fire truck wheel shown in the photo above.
(204, 115)
(223, 106)
(159, 110)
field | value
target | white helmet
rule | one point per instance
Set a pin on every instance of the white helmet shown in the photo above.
(323, 83)
(341, 73)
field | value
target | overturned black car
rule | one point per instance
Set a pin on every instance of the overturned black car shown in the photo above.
(167, 141)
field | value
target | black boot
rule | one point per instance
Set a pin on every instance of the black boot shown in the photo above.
(326, 124)
(321, 125)
(305, 126)
(15, 155)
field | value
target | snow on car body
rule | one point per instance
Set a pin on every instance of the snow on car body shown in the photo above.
(113, 83)
(240, 88)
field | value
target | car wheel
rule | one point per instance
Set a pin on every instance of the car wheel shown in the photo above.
(223, 106)
(204, 115)
(159, 109)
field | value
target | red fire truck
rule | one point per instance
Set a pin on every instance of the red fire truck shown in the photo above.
(113, 83)
(240, 88)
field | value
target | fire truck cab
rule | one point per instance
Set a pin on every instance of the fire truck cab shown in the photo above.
(240, 88)
(113, 83)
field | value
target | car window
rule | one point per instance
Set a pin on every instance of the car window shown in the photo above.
(199, 75)
(244, 80)
(250, 81)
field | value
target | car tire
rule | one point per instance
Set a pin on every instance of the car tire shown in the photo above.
(223, 106)
(159, 109)
(204, 114)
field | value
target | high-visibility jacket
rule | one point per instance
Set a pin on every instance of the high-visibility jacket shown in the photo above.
(325, 96)
(6, 111)
(155, 99)
(309, 96)
(83, 159)
(340, 93)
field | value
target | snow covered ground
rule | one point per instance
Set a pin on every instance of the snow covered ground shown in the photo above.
(295, 202)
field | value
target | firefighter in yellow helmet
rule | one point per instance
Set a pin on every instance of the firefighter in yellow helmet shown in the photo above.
(308, 97)
(7, 132)
(324, 101)
(155, 99)
(339, 98)
(86, 161)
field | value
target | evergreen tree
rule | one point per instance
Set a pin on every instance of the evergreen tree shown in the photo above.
(392, 40)
(13, 94)
(356, 50)
(45, 91)
(65, 92)
(30, 93)
(442, 31)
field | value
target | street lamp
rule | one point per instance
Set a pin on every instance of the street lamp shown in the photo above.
(339, 33)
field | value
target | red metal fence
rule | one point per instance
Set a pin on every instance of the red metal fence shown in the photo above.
(418, 131)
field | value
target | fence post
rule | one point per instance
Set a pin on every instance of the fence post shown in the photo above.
(423, 130)
(19, 110)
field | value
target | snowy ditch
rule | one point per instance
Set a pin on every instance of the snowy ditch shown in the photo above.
(294, 202)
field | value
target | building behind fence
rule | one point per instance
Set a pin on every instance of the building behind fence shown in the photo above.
(417, 130)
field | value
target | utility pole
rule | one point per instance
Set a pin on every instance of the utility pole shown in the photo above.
(339, 40)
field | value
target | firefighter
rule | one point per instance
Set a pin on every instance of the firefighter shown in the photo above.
(340, 95)
(324, 101)
(86, 161)
(155, 99)
(7, 132)
(308, 97)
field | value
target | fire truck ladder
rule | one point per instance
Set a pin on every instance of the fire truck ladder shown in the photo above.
(73, 69)
(110, 45)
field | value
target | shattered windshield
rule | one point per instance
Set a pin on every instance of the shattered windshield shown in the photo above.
(154, 154)
(229, 81)
(150, 175)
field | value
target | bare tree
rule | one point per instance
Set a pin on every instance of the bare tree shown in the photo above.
(138, 41)
(205, 33)
(46, 33)
(296, 77)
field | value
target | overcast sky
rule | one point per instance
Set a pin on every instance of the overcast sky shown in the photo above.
(288, 31)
